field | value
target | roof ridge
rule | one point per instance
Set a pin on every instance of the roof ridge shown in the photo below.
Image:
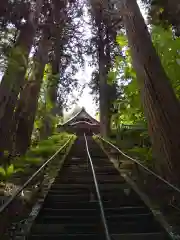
(82, 109)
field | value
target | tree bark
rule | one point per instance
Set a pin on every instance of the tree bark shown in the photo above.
(60, 17)
(53, 88)
(102, 22)
(173, 9)
(171, 13)
(103, 88)
(13, 78)
(161, 106)
(27, 105)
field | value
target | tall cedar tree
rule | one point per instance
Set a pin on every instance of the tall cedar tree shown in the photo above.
(105, 30)
(161, 106)
(57, 29)
(14, 76)
(26, 109)
(61, 19)
(165, 12)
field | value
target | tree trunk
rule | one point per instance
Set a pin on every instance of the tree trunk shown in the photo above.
(53, 88)
(173, 9)
(27, 105)
(110, 89)
(161, 106)
(103, 94)
(13, 78)
(60, 17)
(103, 86)
(99, 14)
(171, 12)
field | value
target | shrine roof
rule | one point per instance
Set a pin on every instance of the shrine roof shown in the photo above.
(81, 114)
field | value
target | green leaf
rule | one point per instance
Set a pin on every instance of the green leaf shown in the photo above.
(18, 170)
(122, 40)
(10, 170)
(112, 77)
(2, 171)
(161, 10)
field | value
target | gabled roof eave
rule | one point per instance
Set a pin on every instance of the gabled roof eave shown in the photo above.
(82, 109)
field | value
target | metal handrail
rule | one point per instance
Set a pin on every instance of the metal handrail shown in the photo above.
(10, 200)
(140, 164)
(98, 192)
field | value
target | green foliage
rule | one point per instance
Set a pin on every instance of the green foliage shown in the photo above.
(122, 40)
(144, 154)
(46, 148)
(35, 156)
(167, 47)
(129, 105)
(41, 151)
(8, 171)
(16, 58)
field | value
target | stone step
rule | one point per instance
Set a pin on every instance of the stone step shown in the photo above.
(71, 210)
(92, 204)
(134, 236)
(93, 212)
(113, 186)
(67, 228)
(129, 218)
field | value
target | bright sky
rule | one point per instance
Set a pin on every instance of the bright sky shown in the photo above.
(86, 99)
(84, 76)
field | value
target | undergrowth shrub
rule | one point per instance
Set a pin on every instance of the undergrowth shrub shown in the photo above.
(35, 156)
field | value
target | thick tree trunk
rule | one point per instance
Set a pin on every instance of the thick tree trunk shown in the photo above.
(24, 117)
(13, 78)
(103, 85)
(27, 105)
(99, 14)
(60, 17)
(110, 93)
(172, 11)
(53, 88)
(103, 94)
(162, 109)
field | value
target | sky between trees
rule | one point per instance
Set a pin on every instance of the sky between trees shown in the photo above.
(84, 76)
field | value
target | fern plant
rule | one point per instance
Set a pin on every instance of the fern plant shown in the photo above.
(7, 172)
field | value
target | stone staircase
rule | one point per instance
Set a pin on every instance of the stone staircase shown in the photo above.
(71, 210)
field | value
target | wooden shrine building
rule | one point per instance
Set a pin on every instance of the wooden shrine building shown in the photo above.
(81, 123)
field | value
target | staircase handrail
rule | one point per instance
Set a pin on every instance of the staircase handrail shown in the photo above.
(19, 190)
(98, 192)
(140, 164)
